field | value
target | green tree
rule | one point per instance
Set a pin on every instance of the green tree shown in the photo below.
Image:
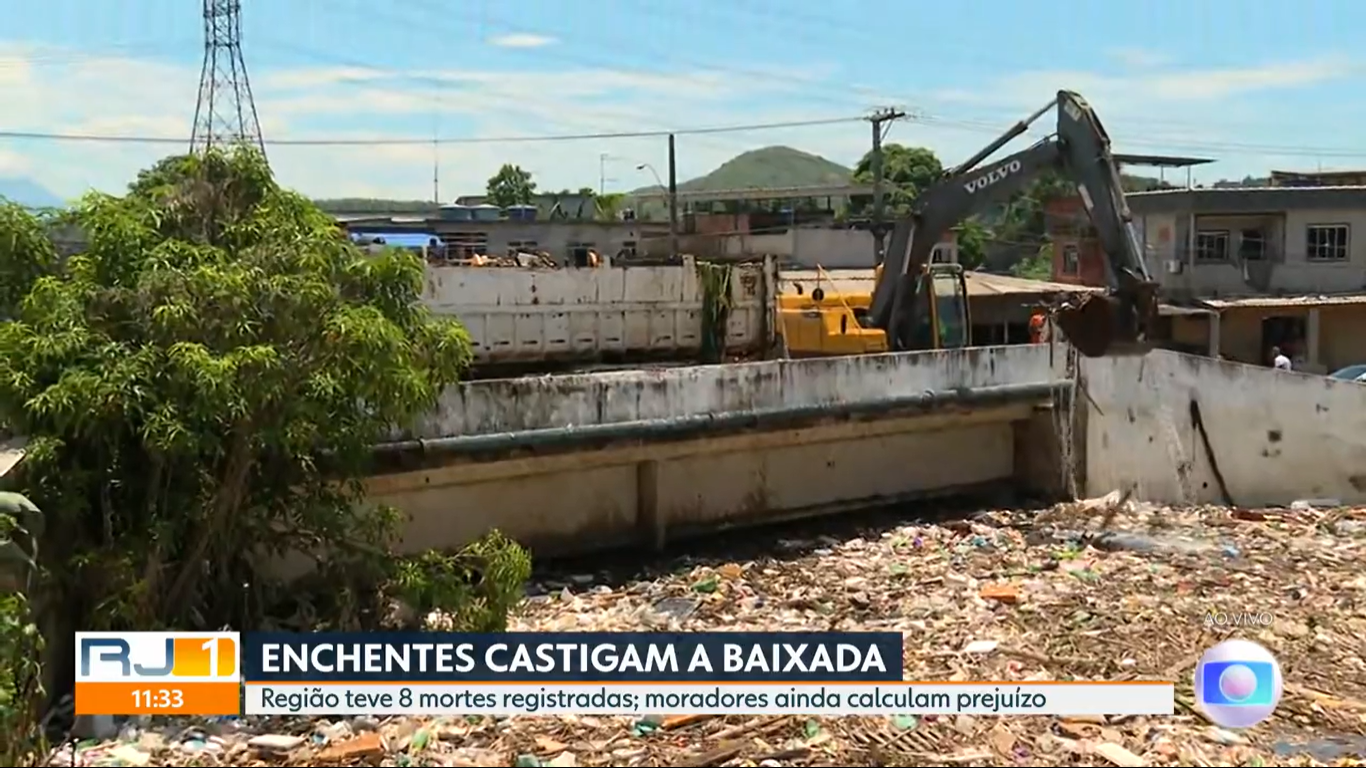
(1036, 267)
(200, 387)
(906, 172)
(609, 205)
(511, 186)
(972, 243)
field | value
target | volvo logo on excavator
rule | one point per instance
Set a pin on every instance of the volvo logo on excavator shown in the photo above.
(990, 178)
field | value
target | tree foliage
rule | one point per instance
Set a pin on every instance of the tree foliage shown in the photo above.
(972, 243)
(21, 643)
(510, 186)
(201, 384)
(906, 172)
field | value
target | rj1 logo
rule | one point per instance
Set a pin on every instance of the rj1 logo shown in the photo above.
(116, 655)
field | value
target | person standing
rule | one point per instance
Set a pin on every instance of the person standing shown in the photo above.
(1038, 328)
(1278, 360)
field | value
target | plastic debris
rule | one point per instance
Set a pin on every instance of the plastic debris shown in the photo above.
(1108, 589)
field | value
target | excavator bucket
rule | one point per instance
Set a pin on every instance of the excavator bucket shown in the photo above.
(1100, 326)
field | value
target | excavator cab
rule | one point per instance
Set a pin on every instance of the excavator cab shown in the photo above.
(943, 318)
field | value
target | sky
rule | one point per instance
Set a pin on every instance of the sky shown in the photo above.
(1278, 87)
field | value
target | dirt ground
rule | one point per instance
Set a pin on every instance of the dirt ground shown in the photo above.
(1091, 590)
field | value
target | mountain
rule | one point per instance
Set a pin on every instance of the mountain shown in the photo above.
(768, 167)
(28, 193)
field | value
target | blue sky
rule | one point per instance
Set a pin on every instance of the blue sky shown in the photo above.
(1276, 87)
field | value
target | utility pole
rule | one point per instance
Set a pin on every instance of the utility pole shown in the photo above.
(673, 200)
(436, 172)
(436, 158)
(602, 174)
(885, 115)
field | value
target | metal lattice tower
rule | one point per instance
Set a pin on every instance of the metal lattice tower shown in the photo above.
(226, 113)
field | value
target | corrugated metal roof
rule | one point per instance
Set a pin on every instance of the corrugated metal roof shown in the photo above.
(1311, 300)
(987, 284)
(1235, 190)
(980, 284)
(1174, 310)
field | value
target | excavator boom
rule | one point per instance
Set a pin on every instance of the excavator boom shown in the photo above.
(1118, 322)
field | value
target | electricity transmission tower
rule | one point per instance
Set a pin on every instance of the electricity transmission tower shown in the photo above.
(225, 113)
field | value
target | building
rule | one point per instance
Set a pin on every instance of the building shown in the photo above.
(1282, 266)
(798, 225)
(566, 241)
(1318, 178)
(549, 205)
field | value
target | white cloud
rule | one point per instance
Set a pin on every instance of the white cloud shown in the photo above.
(1138, 58)
(143, 97)
(14, 164)
(1165, 85)
(54, 91)
(522, 41)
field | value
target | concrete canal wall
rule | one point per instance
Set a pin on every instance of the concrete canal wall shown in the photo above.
(568, 463)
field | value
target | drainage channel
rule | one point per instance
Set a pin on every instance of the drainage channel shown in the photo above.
(775, 541)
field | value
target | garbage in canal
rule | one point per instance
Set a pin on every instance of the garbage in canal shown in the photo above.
(1087, 590)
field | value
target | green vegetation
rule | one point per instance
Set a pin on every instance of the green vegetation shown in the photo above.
(21, 644)
(345, 205)
(716, 306)
(200, 388)
(1036, 267)
(510, 186)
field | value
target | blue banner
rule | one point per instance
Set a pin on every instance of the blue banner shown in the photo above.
(677, 657)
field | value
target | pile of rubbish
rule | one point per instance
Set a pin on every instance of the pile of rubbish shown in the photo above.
(540, 260)
(1097, 590)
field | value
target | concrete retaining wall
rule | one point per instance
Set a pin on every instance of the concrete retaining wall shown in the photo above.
(644, 491)
(1274, 437)
(511, 405)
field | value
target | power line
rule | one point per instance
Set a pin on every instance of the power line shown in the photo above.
(440, 85)
(427, 142)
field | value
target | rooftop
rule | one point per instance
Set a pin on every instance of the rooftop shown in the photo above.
(1161, 161)
(980, 284)
(1299, 300)
(1235, 200)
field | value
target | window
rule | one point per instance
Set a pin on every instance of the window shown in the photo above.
(1071, 260)
(578, 253)
(1211, 246)
(522, 246)
(1252, 245)
(1327, 242)
(940, 255)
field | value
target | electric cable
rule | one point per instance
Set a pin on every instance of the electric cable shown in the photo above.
(379, 142)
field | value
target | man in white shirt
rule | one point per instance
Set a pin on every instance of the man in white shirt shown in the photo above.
(1278, 360)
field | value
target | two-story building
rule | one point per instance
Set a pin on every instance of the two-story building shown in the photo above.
(1274, 266)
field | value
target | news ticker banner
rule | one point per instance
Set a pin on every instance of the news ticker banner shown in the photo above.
(817, 673)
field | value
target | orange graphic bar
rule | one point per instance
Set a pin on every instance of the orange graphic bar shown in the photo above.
(158, 699)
